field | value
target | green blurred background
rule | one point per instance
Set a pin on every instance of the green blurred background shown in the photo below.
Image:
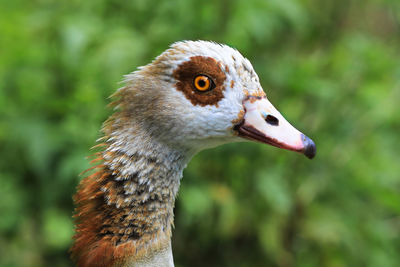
(331, 67)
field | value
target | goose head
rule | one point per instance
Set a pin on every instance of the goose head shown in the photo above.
(200, 94)
(194, 96)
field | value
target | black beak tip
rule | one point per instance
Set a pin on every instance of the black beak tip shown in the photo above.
(309, 147)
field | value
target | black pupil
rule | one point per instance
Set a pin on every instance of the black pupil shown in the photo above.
(202, 83)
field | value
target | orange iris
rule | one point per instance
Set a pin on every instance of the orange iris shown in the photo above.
(202, 83)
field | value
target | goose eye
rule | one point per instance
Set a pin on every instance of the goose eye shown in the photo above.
(203, 83)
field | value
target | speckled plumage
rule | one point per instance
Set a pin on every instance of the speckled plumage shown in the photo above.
(125, 208)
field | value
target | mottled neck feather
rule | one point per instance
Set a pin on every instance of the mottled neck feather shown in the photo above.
(125, 208)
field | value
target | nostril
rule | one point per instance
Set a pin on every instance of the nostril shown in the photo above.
(272, 120)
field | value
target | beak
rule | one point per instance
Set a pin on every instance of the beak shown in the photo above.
(263, 123)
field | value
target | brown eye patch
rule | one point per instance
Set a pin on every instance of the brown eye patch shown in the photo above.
(200, 66)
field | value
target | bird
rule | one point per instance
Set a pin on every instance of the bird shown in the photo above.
(193, 96)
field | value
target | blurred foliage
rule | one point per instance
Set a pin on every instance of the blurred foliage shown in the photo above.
(331, 67)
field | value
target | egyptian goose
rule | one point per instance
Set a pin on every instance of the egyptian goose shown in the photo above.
(195, 95)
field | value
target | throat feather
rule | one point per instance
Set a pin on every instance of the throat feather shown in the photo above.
(125, 208)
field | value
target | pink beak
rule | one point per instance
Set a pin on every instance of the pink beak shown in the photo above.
(263, 123)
